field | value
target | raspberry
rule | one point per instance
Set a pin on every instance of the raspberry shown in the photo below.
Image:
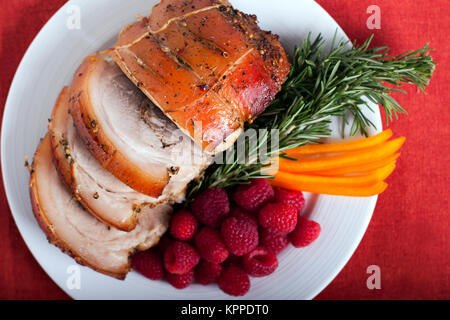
(183, 225)
(149, 264)
(234, 281)
(273, 242)
(305, 232)
(211, 207)
(292, 197)
(180, 257)
(242, 214)
(210, 245)
(207, 272)
(180, 281)
(260, 262)
(240, 235)
(278, 217)
(253, 196)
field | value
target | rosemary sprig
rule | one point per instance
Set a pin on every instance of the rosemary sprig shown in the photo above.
(321, 85)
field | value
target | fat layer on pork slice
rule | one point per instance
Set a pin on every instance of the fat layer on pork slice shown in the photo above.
(102, 194)
(209, 67)
(129, 136)
(78, 233)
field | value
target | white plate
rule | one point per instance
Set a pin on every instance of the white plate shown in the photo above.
(49, 65)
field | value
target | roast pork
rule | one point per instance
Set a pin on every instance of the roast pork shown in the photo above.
(138, 125)
(129, 136)
(102, 194)
(89, 241)
(207, 66)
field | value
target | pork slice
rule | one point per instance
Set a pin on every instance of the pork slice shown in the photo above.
(129, 136)
(102, 194)
(76, 232)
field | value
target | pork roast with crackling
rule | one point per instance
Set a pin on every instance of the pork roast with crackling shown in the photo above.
(207, 66)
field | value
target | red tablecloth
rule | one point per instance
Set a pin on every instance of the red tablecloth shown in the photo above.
(408, 235)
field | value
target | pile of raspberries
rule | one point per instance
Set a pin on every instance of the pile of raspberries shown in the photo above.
(224, 242)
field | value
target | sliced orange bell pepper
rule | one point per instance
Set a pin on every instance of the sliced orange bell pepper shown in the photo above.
(363, 168)
(352, 158)
(342, 146)
(295, 182)
(355, 180)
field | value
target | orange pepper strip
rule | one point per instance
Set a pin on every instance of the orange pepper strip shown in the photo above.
(352, 158)
(342, 146)
(356, 181)
(363, 168)
(285, 180)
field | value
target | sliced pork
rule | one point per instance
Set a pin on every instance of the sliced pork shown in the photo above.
(79, 234)
(207, 66)
(102, 194)
(129, 136)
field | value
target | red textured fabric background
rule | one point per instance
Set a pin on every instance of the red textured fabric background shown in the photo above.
(408, 235)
